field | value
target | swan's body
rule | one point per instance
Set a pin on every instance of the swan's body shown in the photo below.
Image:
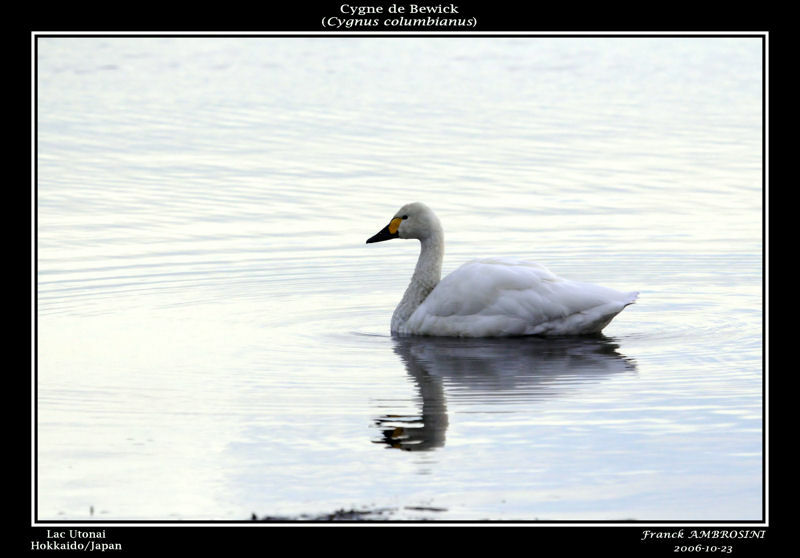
(495, 297)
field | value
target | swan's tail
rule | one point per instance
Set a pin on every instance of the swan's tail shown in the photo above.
(631, 297)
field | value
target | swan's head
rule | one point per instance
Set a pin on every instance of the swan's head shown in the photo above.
(413, 220)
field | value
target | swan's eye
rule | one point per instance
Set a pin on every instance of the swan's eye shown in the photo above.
(405, 216)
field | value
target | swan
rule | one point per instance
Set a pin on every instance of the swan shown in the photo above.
(490, 297)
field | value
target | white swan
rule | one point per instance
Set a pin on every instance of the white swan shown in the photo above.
(495, 297)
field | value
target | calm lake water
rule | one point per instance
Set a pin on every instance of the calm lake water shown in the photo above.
(213, 331)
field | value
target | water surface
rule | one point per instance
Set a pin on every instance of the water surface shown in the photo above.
(213, 332)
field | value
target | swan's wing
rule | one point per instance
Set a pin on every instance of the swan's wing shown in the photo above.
(493, 297)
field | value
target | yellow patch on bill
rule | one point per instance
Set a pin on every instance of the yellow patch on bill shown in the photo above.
(395, 224)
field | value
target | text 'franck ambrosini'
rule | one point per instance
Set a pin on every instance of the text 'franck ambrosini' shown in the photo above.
(398, 15)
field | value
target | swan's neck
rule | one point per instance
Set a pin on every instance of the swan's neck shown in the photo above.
(426, 276)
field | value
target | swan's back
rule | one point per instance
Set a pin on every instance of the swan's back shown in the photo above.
(501, 297)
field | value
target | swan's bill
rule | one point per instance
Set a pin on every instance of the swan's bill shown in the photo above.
(388, 232)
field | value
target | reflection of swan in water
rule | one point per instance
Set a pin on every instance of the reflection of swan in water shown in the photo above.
(521, 369)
